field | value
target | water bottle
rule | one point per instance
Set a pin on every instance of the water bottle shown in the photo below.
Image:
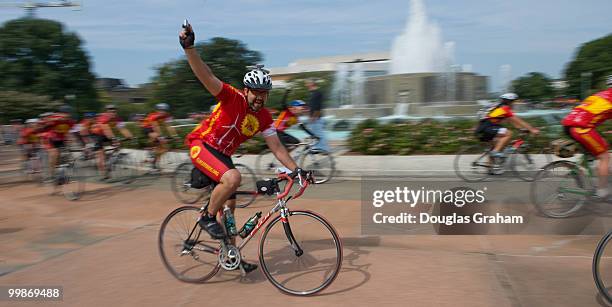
(230, 223)
(249, 225)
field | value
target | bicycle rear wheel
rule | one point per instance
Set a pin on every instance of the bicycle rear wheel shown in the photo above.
(187, 252)
(602, 267)
(247, 191)
(301, 255)
(472, 163)
(321, 163)
(180, 183)
(560, 189)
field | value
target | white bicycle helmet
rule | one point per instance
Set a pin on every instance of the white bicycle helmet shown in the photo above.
(162, 106)
(258, 78)
(609, 81)
(509, 96)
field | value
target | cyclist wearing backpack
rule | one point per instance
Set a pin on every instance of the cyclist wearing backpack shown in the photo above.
(490, 126)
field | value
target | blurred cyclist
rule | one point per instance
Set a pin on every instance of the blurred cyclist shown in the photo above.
(57, 127)
(152, 126)
(103, 134)
(287, 118)
(29, 139)
(580, 125)
(82, 129)
(237, 117)
(490, 126)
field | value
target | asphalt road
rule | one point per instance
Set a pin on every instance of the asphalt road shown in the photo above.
(102, 250)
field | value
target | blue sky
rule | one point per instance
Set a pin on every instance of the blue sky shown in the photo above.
(128, 38)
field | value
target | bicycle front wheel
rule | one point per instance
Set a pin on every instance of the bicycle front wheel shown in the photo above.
(266, 163)
(180, 183)
(321, 163)
(525, 165)
(74, 180)
(473, 163)
(187, 252)
(123, 169)
(247, 191)
(602, 267)
(559, 189)
(301, 255)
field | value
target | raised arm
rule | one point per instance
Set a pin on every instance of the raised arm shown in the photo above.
(199, 68)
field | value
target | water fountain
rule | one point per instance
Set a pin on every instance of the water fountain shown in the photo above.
(420, 47)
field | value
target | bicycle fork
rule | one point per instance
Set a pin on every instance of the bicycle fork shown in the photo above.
(296, 247)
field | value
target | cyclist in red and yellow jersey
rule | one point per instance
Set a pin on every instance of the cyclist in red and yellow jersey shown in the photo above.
(490, 126)
(102, 133)
(287, 118)
(56, 128)
(580, 125)
(238, 116)
(152, 126)
(29, 139)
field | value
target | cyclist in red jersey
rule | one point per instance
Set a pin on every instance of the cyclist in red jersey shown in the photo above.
(57, 127)
(29, 139)
(238, 116)
(580, 125)
(152, 126)
(102, 133)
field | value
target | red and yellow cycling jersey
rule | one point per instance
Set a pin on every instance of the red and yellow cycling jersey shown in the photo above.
(110, 119)
(595, 110)
(500, 113)
(155, 117)
(87, 124)
(57, 126)
(231, 123)
(285, 120)
(29, 136)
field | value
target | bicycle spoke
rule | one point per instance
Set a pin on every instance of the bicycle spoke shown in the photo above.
(184, 255)
(310, 271)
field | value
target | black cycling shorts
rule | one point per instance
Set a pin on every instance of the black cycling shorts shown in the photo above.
(100, 141)
(487, 131)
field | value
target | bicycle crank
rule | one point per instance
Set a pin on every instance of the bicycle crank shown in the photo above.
(229, 257)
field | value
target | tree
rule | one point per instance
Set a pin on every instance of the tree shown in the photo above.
(590, 66)
(176, 84)
(38, 56)
(24, 105)
(534, 86)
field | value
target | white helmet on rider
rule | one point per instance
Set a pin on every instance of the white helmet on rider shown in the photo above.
(609, 81)
(509, 96)
(258, 78)
(162, 106)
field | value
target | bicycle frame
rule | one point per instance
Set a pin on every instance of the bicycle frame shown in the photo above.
(281, 206)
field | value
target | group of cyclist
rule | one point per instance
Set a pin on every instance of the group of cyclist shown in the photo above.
(53, 130)
(240, 114)
(580, 125)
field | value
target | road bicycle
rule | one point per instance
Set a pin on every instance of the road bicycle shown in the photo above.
(564, 187)
(474, 163)
(66, 177)
(169, 160)
(602, 267)
(180, 183)
(300, 252)
(306, 154)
